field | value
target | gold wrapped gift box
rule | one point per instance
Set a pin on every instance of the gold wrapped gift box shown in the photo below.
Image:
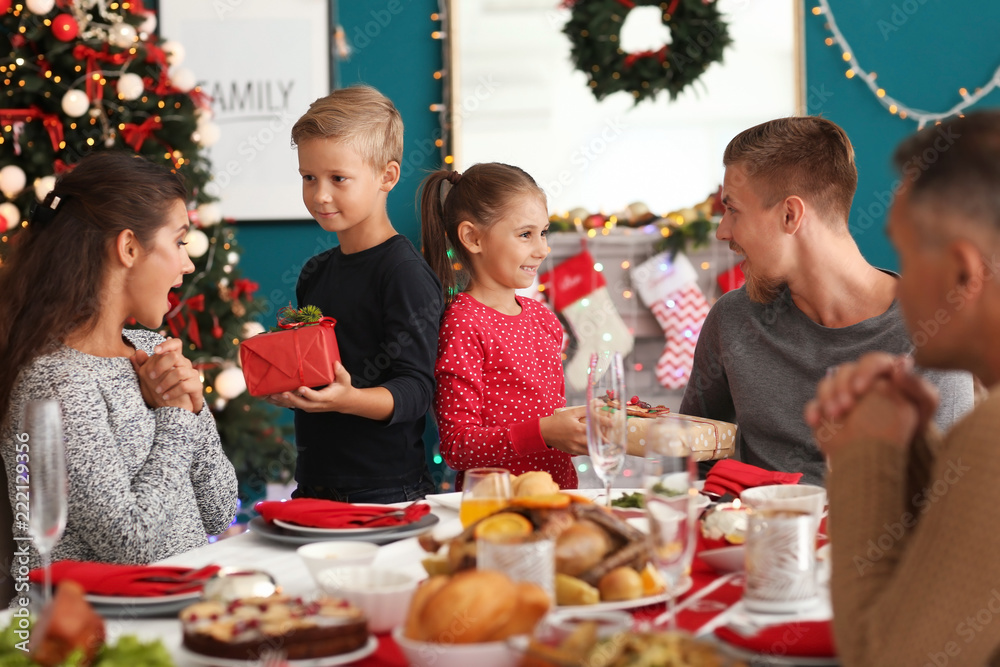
(711, 439)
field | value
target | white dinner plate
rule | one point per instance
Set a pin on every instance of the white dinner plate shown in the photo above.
(452, 501)
(142, 601)
(681, 589)
(360, 530)
(328, 661)
(286, 536)
(163, 605)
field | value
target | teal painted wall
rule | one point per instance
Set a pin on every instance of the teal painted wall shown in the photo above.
(393, 51)
(923, 52)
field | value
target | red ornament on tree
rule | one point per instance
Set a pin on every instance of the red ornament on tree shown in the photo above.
(5, 6)
(64, 26)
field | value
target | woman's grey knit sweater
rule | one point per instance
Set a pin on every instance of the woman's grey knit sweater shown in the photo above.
(143, 484)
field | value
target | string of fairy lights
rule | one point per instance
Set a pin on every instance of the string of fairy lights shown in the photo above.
(855, 70)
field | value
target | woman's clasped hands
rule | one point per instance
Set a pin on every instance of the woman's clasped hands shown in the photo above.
(167, 378)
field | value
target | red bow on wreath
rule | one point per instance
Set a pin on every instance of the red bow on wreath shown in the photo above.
(176, 320)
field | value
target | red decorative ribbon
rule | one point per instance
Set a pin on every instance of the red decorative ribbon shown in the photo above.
(135, 135)
(244, 286)
(95, 89)
(52, 123)
(176, 320)
(200, 98)
(673, 6)
(660, 55)
(323, 321)
(627, 4)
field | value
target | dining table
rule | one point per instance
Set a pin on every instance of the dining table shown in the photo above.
(714, 599)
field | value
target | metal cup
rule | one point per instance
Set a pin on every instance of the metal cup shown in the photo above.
(780, 562)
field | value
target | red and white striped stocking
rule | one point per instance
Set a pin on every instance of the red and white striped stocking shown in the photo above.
(670, 289)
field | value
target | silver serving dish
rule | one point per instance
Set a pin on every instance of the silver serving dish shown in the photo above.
(233, 583)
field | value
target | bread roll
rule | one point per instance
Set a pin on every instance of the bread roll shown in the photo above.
(533, 483)
(471, 607)
(621, 583)
(414, 628)
(580, 547)
(532, 604)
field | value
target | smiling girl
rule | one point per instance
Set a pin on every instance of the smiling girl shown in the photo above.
(499, 370)
(147, 474)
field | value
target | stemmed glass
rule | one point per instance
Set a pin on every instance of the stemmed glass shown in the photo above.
(47, 487)
(668, 481)
(606, 417)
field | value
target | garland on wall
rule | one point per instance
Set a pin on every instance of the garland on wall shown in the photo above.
(698, 37)
(855, 70)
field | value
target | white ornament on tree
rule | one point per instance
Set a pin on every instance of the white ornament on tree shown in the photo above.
(12, 181)
(130, 86)
(40, 7)
(251, 329)
(122, 35)
(148, 25)
(175, 52)
(10, 216)
(209, 214)
(197, 243)
(44, 186)
(75, 103)
(230, 383)
(182, 79)
(207, 134)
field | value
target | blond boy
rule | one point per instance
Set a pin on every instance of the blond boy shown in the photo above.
(360, 439)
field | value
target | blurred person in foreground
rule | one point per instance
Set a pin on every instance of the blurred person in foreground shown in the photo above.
(913, 521)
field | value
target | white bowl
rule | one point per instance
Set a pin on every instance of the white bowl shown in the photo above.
(320, 556)
(724, 560)
(794, 497)
(430, 654)
(383, 595)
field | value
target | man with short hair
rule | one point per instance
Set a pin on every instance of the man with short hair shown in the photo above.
(913, 516)
(811, 300)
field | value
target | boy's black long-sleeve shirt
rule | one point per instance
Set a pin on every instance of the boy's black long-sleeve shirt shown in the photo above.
(388, 305)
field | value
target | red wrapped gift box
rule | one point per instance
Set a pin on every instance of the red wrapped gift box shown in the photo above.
(286, 360)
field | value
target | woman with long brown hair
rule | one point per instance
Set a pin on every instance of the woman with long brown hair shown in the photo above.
(146, 471)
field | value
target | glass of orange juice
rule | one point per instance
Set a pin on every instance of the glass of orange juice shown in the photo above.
(484, 491)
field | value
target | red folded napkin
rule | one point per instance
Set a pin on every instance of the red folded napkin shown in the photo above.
(806, 639)
(316, 513)
(729, 476)
(127, 580)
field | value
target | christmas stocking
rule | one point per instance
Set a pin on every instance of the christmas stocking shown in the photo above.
(670, 289)
(579, 292)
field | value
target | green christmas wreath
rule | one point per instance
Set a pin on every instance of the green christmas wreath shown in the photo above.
(698, 37)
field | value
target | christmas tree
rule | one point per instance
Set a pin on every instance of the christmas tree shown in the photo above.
(86, 75)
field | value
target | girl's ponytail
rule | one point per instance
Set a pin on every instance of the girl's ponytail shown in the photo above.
(433, 232)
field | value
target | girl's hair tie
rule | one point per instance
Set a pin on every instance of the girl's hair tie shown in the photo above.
(43, 213)
(454, 177)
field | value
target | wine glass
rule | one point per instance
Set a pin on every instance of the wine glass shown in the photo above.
(606, 416)
(668, 481)
(484, 491)
(47, 486)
